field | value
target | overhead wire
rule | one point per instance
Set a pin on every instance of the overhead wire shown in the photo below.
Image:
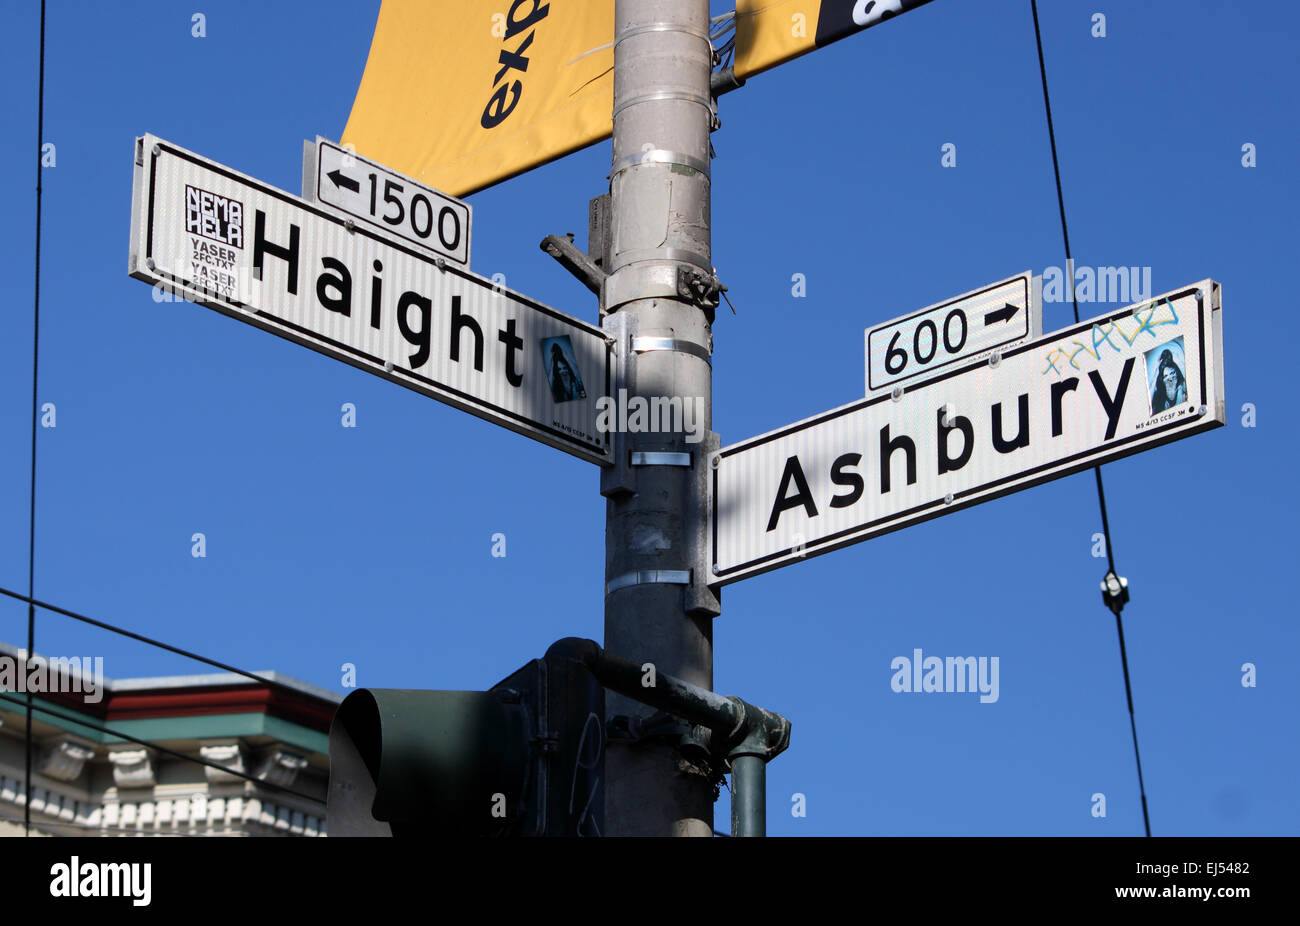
(36, 343)
(1101, 492)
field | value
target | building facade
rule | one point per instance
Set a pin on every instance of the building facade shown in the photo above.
(86, 781)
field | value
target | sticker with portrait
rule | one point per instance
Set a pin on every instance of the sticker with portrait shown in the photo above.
(562, 369)
(1166, 377)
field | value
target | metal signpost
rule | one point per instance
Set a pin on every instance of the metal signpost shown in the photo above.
(391, 202)
(261, 255)
(1106, 388)
(968, 327)
(966, 400)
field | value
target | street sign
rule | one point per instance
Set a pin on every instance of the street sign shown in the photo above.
(1103, 389)
(206, 233)
(965, 328)
(387, 200)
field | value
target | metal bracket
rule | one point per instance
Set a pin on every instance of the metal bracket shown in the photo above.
(661, 27)
(648, 577)
(685, 96)
(703, 289)
(760, 733)
(622, 728)
(599, 244)
(659, 156)
(700, 598)
(619, 478)
(575, 261)
(724, 80)
(680, 255)
(641, 345)
(660, 458)
(638, 281)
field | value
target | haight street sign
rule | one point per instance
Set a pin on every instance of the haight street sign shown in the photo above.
(1103, 389)
(261, 255)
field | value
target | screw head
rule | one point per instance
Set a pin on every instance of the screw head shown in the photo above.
(947, 499)
(156, 150)
(149, 262)
(896, 393)
(350, 225)
(995, 358)
(388, 366)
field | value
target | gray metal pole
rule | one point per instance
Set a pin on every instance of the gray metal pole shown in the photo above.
(749, 796)
(657, 304)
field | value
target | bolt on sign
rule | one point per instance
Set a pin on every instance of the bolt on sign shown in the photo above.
(1101, 390)
(211, 235)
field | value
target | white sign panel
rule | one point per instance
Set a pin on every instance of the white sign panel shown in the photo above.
(1103, 389)
(211, 235)
(387, 200)
(965, 328)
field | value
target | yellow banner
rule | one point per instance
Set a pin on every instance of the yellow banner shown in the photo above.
(461, 94)
(769, 32)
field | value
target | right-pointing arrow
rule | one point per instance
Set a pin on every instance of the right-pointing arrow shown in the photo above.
(1004, 314)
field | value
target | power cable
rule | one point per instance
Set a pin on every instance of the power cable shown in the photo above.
(1113, 599)
(113, 628)
(36, 341)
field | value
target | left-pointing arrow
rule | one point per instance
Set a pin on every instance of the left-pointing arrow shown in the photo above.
(341, 179)
(1004, 314)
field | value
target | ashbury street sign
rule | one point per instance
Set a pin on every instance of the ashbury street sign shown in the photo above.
(214, 236)
(1100, 390)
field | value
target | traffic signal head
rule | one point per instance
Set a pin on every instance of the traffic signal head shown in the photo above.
(524, 758)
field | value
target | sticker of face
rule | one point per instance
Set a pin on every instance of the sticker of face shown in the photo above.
(1170, 386)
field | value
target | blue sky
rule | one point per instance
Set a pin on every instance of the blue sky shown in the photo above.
(372, 545)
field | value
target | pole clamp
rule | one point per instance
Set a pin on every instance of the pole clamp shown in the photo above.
(648, 577)
(661, 27)
(704, 99)
(642, 344)
(660, 458)
(660, 156)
